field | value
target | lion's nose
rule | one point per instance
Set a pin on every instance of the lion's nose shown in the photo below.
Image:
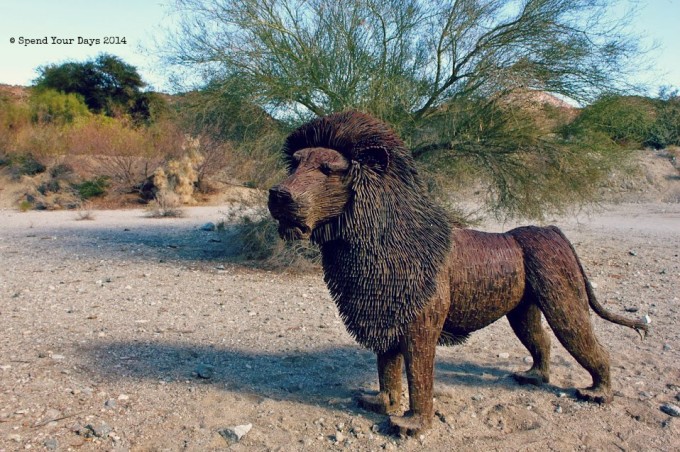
(280, 197)
(278, 193)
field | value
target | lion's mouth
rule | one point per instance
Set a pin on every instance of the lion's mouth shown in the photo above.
(291, 231)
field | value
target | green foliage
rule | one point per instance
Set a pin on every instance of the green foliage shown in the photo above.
(666, 129)
(442, 73)
(106, 84)
(50, 106)
(633, 121)
(25, 165)
(627, 120)
(92, 188)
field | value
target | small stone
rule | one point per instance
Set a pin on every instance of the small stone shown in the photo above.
(528, 359)
(632, 252)
(123, 397)
(209, 226)
(478, 397)
(504, 355)
(58, 357)
(562, 395)
(14, 437)
(340, 426)
(670, 409)
(558, 409)
(593, 285)
(205, 371)
(51, 444)
(647, 319)
(235, 434)
(667, 347)
(100, 430)
(111, 403)
(632, 309)
(339, 437)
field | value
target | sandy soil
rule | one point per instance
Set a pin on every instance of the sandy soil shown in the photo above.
(131, 333)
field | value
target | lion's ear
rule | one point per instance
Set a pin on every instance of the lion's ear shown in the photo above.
(377, 158)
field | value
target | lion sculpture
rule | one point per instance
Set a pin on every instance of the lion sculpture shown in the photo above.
(406, 280)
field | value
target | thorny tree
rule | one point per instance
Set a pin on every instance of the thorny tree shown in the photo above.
(440, 72)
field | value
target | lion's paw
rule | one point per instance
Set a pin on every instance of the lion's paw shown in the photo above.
(409, 424)
(595, 395)
(378, 403)
(531, 377)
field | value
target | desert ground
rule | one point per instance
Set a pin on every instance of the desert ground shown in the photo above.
(130, 333)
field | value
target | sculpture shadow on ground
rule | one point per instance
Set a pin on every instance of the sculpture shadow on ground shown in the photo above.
(325, 377)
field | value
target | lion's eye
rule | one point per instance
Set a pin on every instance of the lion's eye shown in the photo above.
(326, 169)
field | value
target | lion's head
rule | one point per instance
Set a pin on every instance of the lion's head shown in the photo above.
(353, 188)
(330, 160)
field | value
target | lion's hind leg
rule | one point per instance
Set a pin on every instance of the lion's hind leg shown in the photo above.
(557, 286)
(525, 321)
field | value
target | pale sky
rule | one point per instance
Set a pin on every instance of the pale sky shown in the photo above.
(139, 21)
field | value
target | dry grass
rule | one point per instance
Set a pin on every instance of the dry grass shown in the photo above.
(165, 205)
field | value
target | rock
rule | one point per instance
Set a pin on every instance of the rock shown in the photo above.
(632, 252)
(204, 371)
(667, 347)
(477, 397)
(209, 226)
(528, 359)
(235, 434)
(51, 444)
(504, 355)
(101, 430)
(670, 409)
(558, 409)
(123, 397)
(110, 403)
(339, 437)
(647, 319)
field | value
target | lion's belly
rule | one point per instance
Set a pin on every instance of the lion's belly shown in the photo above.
(487, 279)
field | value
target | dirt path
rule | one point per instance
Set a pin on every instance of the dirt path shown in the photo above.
(130, 333)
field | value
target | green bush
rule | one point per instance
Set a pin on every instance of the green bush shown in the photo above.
(666, 130)
(93, 187)
(627, 120)
(25, 165)
(50, 106)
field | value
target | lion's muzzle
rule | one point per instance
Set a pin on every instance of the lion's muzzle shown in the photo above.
(287, 212)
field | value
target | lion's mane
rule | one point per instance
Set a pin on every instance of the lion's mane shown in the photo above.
(381, 257)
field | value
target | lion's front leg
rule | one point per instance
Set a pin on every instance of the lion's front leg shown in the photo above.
(419, 354)
(388, 400)
(419, 346)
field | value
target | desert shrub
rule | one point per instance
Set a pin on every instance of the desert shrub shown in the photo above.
(50, 106)
(25, 165)
(49, 186)
(666, 129)
(256, 234)
(166, 204)
(93, 187)
(61, 170)
(122, 152)
(627, 120)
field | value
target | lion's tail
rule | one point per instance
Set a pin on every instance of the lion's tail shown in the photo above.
(641, 327)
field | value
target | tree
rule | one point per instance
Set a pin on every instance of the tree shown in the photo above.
(107, 84)
(440, 72)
